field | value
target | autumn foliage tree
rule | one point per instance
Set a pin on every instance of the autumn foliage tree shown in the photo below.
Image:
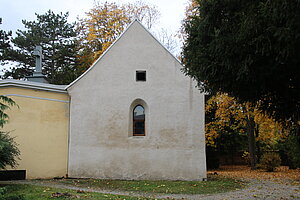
(227, 128)
(224, 129)
(105, 22)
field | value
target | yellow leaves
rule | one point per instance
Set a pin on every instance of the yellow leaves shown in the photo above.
(105, 22)
(282, 173)
(226, 106)
(102, 26)
(226, 114)
(46, 190)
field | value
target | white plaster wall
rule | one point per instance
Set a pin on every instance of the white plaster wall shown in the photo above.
(101, 143)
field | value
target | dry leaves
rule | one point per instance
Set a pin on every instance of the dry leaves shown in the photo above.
(244, 172)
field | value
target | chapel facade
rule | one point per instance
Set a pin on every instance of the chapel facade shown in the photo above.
(132, 115)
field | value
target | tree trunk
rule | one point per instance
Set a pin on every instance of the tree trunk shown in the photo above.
(257, 144)
(251, 141)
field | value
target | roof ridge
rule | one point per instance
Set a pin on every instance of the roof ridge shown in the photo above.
(120, 36)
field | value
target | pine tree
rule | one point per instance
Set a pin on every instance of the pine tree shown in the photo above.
(4, 43)
(58, 40)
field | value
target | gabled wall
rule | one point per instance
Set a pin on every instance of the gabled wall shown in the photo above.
(101, 141)
(40, 127)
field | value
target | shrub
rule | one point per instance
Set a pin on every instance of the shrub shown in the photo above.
(9, 152)
(269, 161)
(291, 148)
(2, 191)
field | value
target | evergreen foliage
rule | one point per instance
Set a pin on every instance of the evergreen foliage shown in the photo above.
(249, 50)
(4, 43)
(58, 40)
(8, 151)
(291, 148)
(5, 103)
(8, 148)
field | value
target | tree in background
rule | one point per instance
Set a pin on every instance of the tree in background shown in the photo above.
(4, 43)
(227, 128)
(167, 39)
(58, 40)
(224, 129)
(248, 49)
(105, 22)
(8, 148)
(190, 11)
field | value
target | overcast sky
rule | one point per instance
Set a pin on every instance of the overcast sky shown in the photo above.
(13, 11)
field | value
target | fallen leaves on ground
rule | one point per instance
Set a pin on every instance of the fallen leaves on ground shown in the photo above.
(241, 171)
(64, 195)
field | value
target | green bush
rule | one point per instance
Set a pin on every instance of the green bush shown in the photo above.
(291, 148)
(2, 190)
(269, 161)
(9, 152)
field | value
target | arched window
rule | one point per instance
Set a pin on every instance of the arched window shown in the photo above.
(138, 121)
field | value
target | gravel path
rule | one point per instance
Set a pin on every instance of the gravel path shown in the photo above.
(256, 189)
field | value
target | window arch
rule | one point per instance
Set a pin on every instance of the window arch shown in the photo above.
(138, 120)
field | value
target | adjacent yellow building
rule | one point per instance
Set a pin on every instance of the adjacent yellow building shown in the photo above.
(40, 126)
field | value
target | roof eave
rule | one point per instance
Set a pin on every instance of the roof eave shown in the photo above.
(33, 85)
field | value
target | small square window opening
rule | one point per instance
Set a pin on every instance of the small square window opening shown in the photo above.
(140, 75)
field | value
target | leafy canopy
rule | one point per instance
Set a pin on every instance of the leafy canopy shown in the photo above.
(248, 49)
(226, 118)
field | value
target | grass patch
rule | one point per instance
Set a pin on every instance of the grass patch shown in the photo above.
(30, 192)
(213, 185)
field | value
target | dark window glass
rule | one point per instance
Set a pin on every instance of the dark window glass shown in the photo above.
(140, 75)
(139, 121)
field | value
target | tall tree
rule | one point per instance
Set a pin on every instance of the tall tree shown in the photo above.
(8, 148)
(248, 49)
(105, 22)
(57, 38)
